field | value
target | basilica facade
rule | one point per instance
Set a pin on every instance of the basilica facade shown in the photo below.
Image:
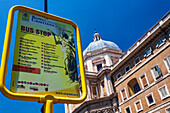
(131, 82)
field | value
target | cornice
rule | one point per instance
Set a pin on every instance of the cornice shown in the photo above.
(102, 51)
(91, 102)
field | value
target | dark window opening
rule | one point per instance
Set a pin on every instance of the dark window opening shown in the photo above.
(119, 76)
(137, 60)
(127, 69)
(168, 110)
(99, 67)
(150, 99)
(136, 88)
(128, 110)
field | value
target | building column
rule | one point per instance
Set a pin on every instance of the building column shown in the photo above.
(88, 90)
(90, 66)
(70, 108)
(100, 89)
(110, 85)
(106, 85)
(66, 110)
(108, 60)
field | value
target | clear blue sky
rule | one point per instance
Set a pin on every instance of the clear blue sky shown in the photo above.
(120, 21)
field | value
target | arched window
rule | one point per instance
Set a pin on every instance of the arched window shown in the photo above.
(133, 86)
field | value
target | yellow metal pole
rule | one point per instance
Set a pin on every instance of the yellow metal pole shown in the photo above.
(48, 106)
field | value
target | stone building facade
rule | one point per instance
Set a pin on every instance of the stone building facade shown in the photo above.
(131, 82)
(142, 75)
(101, 97)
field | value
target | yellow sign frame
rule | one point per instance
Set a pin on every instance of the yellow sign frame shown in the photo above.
(48, 99)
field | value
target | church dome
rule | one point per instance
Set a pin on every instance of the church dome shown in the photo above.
(98, 43)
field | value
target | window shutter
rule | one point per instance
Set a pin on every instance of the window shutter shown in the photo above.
(144, 54)
(155, 72)
(159, 71)
(138, 105)
(168, 62)
(163, 39)
(156, 45)
(144, 81)
(150, 49)
(163, 92)
(124, 94)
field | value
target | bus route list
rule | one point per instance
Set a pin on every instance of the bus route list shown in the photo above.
(30, 54)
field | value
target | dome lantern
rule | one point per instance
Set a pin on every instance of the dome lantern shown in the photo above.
(96, 36)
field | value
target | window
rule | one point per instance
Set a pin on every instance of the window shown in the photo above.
(167, 62)
(161, 42)
(127, 69)
(144, 81)
(118, 76)
(163, 91)
(156, 72)
(167, 110)
(137, 61)
(169, 33)
(99, 66)
(150, 100)
(123, 94)
(147, 53)
(128, 110)
(94, 91)
(138, 106)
